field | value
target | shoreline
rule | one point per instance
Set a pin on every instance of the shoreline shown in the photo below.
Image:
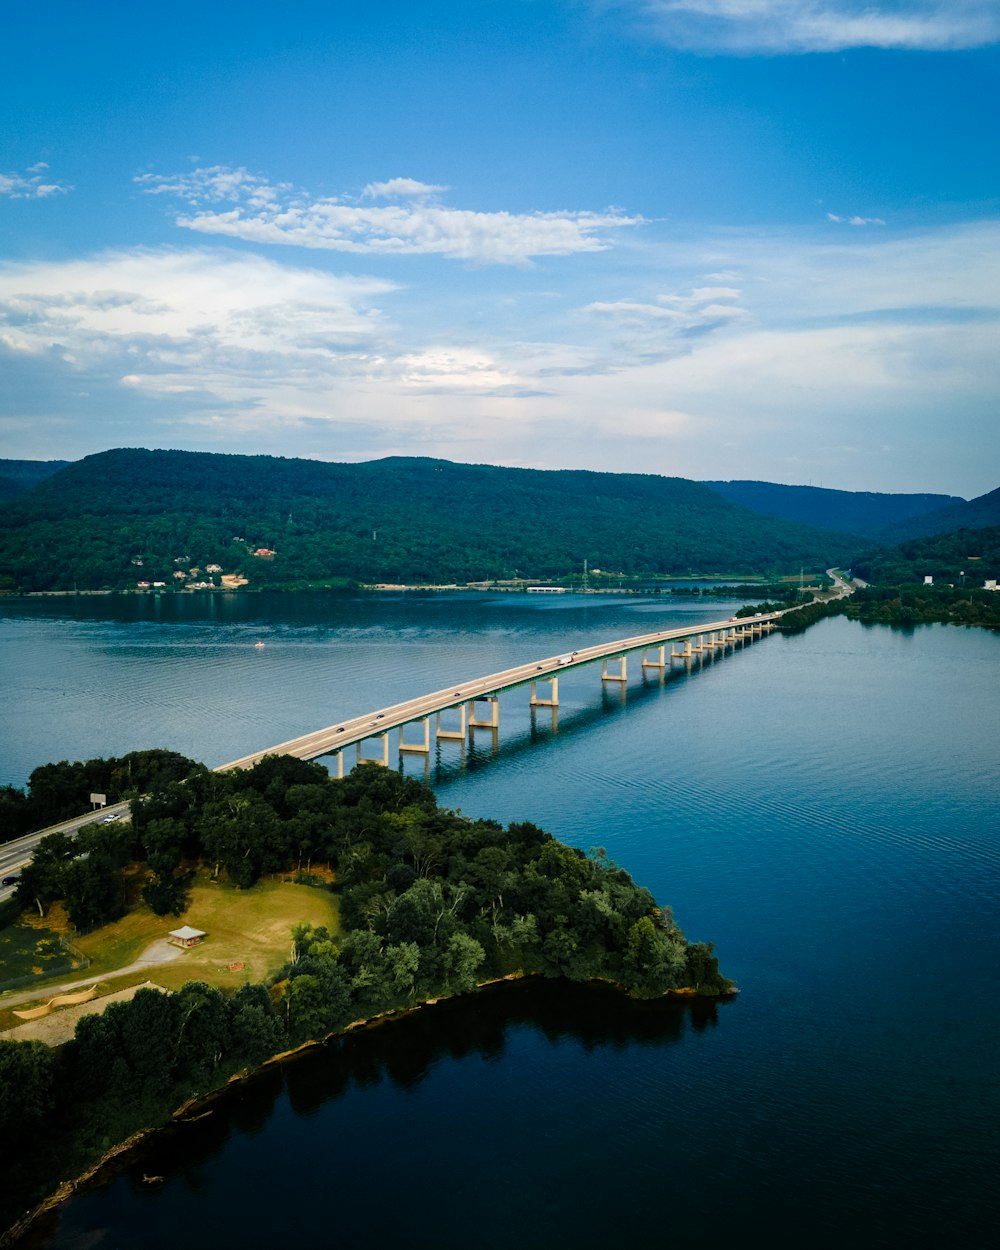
(626, 587)
(199, 1105)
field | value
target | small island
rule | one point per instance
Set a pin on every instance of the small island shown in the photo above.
(423, 903)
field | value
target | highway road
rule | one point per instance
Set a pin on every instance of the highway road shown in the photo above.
(17, 854)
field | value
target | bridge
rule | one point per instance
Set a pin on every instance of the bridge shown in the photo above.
(475, 702)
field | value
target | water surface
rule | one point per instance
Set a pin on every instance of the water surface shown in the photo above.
(823, 807)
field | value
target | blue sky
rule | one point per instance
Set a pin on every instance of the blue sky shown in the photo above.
(711, 238)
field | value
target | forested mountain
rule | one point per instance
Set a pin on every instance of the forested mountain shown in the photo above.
(18, 476)
(976, 514)
(128, 515)
(858, 512)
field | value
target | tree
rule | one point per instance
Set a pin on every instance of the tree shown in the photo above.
(42, 880)
(202, 1033)
(27, 1078)
(462, 957)
(256, 1031)
(93, 883)
(317, 1002)
(654, 959)
(164, 890)
(243, 835)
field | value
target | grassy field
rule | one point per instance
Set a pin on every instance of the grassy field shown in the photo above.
(32, 950)
(251, 928)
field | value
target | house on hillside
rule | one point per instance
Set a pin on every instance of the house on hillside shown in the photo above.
(186, 937)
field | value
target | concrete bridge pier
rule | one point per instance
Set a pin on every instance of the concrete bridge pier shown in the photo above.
(685, 654)
(424, 746)
(621, 675)
(719, 637)
(339, 757)
(552, 700)
(363, 759)
(660, 651)
(454, 735)
(494, 721)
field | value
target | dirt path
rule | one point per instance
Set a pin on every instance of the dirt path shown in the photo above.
(160, 952)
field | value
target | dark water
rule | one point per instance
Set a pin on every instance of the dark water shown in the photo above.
(825, 808)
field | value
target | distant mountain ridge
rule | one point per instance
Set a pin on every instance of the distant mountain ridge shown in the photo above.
(129, 515)
(982, 512)
(18, 476)
(883, 517)
(858, 512)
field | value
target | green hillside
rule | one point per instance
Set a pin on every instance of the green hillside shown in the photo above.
(124, 516)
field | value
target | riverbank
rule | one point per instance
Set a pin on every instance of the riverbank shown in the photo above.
(119, 1156)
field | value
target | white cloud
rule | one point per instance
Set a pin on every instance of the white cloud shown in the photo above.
(259, 212)
(799, 26)
(645, 329)
(855, 220)
(223, 330)
(31, 185)
(399, 187)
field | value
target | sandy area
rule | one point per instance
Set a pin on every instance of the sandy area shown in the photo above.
(60, 1026)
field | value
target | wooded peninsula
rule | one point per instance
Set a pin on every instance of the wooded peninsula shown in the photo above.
(431, 904)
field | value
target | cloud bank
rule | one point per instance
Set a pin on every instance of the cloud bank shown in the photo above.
(732, 355)
(802, 26)
(238, 204)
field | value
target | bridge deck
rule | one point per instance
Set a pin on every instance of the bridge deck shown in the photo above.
(370, 724)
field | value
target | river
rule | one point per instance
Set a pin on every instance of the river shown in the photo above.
(823, 807)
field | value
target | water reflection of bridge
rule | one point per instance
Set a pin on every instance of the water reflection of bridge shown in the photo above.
(473, 705)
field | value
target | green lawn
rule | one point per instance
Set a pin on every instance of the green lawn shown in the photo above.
(249, 927)
(29, 951)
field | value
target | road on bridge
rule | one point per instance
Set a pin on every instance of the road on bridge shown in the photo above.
(346, 733)
(17, 854)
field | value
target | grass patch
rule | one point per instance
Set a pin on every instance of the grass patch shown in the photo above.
(30, 950)
(249, 927)
(252, 927)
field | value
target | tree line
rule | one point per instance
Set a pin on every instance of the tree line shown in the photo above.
(60, 791)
